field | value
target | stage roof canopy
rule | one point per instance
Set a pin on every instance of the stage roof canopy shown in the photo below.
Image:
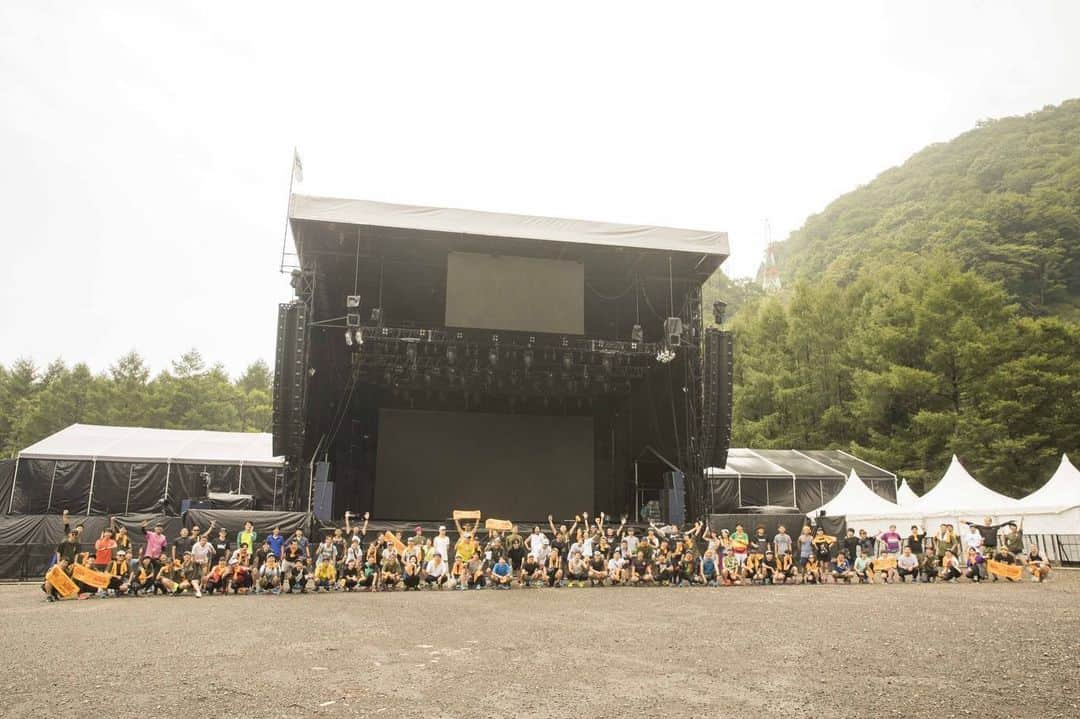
(497, 224)
(141, 444)
(799, 463)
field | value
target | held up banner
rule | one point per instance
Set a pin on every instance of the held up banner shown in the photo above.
(59, 581)
(1009, 571)
(90, 577)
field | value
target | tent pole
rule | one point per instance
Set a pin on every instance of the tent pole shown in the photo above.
(127, 499)
(240, 478)
(14, 480)
(277, 473)
(93, 474)
(52, 483)
(165, 497)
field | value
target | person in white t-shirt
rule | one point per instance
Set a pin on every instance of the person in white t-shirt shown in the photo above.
(435, 572)
(537, 544)
(974, 539)
(442, 544)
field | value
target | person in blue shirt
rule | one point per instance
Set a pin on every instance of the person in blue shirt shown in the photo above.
(276, 540)
(501, 574)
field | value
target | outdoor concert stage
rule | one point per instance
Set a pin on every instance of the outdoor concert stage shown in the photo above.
(436, 359)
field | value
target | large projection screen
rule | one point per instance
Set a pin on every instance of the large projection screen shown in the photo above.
(501, 292)
(520, 467)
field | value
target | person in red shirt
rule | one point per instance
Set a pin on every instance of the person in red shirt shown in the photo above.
(103, 550)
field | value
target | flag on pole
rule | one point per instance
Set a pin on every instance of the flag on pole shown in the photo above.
(297, 166)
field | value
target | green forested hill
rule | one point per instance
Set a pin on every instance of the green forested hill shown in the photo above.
(1003, 199)
(931, 312)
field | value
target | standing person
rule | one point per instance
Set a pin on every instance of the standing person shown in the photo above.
(538, 545)
(202, 553)
(850, 544)
(945, 541)
(276, 542)
(303, 543)
(890, 541)
(181, 544)
(907, 565)
(222, 547)
(191, 575)
(806, 545)
(123, 541)
(867, 543)
(974, 538)
(740, 544)
(989, 532)
(442, 544)
(782, 541)
(516, 551)
(1014, 540)
(103, 550)
(916, 541)
(155, 543)
(823, 548)
(246, 537)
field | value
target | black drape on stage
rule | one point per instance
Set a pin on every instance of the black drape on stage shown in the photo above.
(233, 520)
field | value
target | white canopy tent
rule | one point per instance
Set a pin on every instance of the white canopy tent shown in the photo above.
(142, 444)
(905, 494)
(860, 505)
(1054, 508)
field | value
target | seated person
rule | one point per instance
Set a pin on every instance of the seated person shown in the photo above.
(270, 575)
(435, 573)
(767, 569)
(502, 574)
(842, 570)
(325, 574)
(665, 571)
(1036, 564)
(976, 565)
(812, 571)
(950, 567)
(531, 571)
(863, 566)
(732, 571)
(553, 568)
(928, 567)
(577, 571)
(411, 574)
(617, 569)
(217, 579)
(641, 571)
(687, 570)
(787, 570)
(907, 565)
(476, 569)
(708, 570)
(241, 580)
(391, 571)
(598, 571)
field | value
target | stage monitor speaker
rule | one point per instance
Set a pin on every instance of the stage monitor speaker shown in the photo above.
(323, 500)
(673, 498)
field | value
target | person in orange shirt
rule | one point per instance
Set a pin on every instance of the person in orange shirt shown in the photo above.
(103, 550)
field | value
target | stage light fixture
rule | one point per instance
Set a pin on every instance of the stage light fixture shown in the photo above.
(718, 308)
(410, 353)
(349, 338)
(376, 314)
(637, 334)
(527, 358)
(568, 361)
(605, 362)
(451, 354)
(493, 356)
(359, 334)
(673, 331)
(665, 355)
(352, 320)
(352, 301)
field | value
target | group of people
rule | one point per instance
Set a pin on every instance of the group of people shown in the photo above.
(587, 553)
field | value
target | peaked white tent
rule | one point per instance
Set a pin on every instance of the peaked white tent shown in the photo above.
(861, 505)
(905, 494)
(1054, 508)
(961, 496)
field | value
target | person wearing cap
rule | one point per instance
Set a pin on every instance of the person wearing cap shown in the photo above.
(842, 570)
(191, 575)
(120, 574)
(442, 544)
(767, 569)
(269, 576)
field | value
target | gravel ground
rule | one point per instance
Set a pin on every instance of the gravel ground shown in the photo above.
(995, 650)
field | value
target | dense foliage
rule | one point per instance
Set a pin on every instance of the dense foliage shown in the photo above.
(931, 312)
(34, 403)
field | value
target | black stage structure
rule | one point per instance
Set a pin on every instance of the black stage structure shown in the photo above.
(435, 359)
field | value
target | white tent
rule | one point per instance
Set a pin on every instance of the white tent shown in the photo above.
(1054, 508)
(905, 494)
(863, 507)
(960, 495)
(141, 444)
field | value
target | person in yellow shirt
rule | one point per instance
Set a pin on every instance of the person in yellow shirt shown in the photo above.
(325, 575)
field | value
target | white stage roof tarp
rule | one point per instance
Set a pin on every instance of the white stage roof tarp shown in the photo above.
(498, 224)
(142, 444)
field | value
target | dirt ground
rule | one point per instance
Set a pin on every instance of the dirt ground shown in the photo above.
(992, 650)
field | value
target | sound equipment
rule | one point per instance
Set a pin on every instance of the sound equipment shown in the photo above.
(718, 400)
(673, 498)
(186, 504)
(673, 331)
(323, 501)
(290, 380)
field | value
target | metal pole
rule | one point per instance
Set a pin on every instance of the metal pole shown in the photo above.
(127, 499)
(165, 497)
(288, 207)
(14, 481)
(93, 474)
(52, 483)
(239, 478)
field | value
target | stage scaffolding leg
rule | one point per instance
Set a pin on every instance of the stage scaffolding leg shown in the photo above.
(165, 497)
(127, 499)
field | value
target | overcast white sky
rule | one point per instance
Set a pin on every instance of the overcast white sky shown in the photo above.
(146, 146)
